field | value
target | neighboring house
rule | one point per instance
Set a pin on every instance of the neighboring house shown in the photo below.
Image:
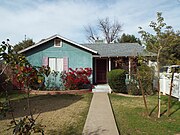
(60, 54)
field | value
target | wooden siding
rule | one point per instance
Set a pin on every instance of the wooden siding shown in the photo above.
(77, 58)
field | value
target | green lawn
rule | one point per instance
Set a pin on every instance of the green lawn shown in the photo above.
(131, 119)
(60, 114)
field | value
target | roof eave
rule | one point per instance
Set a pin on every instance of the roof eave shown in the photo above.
(58, 36)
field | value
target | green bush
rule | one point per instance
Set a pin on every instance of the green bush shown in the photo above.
(116, 80)
(133, 86)
(146, 77)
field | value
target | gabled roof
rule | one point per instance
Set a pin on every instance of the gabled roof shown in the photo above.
(58, 36)
(118, 49)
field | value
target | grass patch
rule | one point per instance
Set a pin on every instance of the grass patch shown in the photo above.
(131, 119)
(60, 114)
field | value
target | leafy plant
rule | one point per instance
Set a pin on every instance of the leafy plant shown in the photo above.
(52, 80)
(26, 75)
(146, 77)
(77, 79)
(26, 126)
(163, 42)
(116, 80)
(35, 76)
(133, 86)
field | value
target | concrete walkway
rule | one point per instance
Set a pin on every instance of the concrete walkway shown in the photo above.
(100, 119)
(102, 88)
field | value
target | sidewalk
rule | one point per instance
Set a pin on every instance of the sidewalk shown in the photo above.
(102, 88)
(100, 119)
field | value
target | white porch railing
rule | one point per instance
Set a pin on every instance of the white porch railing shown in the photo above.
(165, 82)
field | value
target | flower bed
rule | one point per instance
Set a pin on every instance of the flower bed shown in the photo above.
(39, 92)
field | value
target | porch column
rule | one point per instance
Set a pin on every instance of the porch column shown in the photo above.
(129, 67)
(109, 64)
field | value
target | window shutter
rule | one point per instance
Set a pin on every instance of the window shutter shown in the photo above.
(65, 64)
(45, 61)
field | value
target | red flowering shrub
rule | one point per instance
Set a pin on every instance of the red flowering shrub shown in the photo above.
(29, 76)
(24, 75)
(77, 79)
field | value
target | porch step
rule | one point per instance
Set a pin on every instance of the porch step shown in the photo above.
(102, 88)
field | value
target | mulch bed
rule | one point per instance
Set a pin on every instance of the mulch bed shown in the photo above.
(40, 92)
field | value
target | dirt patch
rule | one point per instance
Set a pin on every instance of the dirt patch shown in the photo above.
(60, 114)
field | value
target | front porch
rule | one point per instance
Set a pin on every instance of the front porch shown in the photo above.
(102, 65)
(102, 88)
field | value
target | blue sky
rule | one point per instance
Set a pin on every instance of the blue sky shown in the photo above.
(38, 19)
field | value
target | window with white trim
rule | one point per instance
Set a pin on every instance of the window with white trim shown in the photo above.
(56, 64)
(57, 42)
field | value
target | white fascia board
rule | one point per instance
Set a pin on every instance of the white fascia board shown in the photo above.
(81, 46)
(54, 36)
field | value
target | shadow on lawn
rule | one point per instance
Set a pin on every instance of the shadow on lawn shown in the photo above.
(42, 103)
(177, 103)
(153, 110)
(173, 103)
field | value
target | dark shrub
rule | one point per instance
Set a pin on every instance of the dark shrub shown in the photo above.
(133, 86)
(116, 80)
(146, 77)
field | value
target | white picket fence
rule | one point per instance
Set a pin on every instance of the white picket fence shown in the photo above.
(165, 80)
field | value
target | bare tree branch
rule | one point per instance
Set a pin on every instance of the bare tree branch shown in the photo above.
(4, 69)
(110, 30)
(116, 29)
(104, 26)
(91, 34)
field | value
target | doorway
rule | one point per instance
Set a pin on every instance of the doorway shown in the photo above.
(101, 70)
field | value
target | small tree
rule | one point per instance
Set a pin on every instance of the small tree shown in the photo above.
(142, 91)
(163, 37)
(11, 58)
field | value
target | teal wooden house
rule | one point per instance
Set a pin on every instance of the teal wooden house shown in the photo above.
(60, 54)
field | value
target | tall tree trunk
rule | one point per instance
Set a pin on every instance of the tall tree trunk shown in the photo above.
(159, 92)
(143, 94)
(28, 98)
(9, 103)
(170, 93)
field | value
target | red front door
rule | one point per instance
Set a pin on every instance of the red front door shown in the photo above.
(101, 70)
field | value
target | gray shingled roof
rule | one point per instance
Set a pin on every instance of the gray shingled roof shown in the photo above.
(118, 49)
